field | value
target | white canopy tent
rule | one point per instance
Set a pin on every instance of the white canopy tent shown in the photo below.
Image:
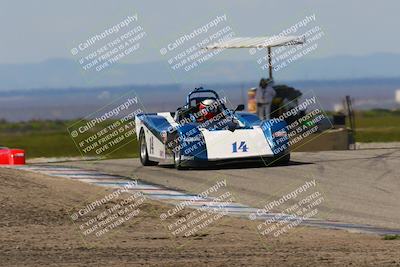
(259, 42)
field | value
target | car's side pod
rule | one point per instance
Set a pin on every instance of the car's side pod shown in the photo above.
(275, 131)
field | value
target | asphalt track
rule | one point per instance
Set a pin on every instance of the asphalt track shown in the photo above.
(219, 207)
(361, 186)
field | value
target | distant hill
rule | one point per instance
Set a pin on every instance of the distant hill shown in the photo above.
(72, 103)
(63, 73)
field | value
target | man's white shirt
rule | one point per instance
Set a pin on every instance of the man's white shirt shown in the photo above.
(265, 96)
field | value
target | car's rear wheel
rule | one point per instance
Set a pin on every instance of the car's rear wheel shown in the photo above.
(144, 156)
(283, 160)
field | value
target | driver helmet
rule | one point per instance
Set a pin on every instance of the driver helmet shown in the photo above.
(208, 108)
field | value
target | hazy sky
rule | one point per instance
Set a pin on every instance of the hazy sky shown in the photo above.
(33, 31)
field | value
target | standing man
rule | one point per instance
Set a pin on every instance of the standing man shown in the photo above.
(265, 94)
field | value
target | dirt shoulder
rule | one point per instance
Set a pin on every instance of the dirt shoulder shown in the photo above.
(36, 229)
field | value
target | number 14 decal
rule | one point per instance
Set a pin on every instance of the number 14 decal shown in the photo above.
(242, 147)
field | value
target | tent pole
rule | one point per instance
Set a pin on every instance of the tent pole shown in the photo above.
(269, 62)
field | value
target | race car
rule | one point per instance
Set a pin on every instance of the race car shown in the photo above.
(205, 132)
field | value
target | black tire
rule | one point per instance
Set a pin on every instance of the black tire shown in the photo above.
(177, 160)
(283, 160)
(144, 156)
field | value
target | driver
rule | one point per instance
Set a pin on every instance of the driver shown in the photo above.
(208, 109)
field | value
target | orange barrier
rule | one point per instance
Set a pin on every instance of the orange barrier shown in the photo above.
(251, 100)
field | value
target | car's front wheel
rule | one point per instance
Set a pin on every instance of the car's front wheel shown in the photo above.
(178, 160)
(144, 156)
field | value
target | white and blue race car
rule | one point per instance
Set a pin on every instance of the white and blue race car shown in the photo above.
(205, 132)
